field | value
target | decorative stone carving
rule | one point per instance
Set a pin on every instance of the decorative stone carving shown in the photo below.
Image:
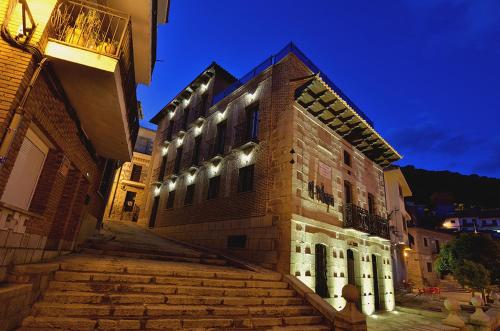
(453, 319)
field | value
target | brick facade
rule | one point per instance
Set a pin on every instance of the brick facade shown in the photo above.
(277, 224)
(48, 113)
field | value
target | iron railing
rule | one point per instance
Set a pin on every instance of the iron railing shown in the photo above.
(360, 219)
(272, 60)
(102, 30)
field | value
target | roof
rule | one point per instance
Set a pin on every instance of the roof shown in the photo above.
(203, 77)
(324, 102)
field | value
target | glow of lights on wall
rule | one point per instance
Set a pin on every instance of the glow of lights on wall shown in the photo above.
(246, 157)
(198, 129)
(214, 169)
(180, 140)
(185, 102)
(164, 151)
(190, 178)
(157, 190)
(251, 96)
(203, 87)
(171, 185)
(171, 114)
(221, 115)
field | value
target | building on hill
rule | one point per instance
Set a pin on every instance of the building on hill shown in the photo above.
(128, 196)
(396, 190)
(425, 245)
(68, 112)
(484, 221)
(280, 168)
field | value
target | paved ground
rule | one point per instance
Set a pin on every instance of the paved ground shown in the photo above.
(398, 320)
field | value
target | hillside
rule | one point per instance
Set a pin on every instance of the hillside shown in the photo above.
(472, 190)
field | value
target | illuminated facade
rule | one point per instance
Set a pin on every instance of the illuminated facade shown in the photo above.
(128, 196)
(68, 112)
(279, 168)
(396, 190)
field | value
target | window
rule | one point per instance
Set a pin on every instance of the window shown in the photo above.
(245, 179)
(371, 203)
(400, 191)
(128, 204)
(347, 192)
(185, 119)
(425, 242)
(163, 165)
(144, 145)
(135, 174)
(220, 139)
(252, 121)
(170, 129)
(452, 221)
(213, 187)
(347, 158)
(438, 247)
(170, 200)
(429, 267)
(411, 240)
(178, 158)
(188, 199)
(236, 241)
(107, 177)
(204, 103)
(196, 150)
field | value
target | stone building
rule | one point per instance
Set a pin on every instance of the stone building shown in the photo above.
(280, 168)
(68, 111)
(128, 195)
(425, 245)
(396, 190)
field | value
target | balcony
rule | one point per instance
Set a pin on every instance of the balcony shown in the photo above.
(198, 113)
(216, 148)
(90, 46)
(360, 219)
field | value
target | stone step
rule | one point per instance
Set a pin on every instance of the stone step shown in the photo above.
(148, 273)
(157, 257)
(279, 323)
(164, 310)
(160, 294)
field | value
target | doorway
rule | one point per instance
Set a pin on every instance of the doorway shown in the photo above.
(154, 210)
(376, 286)
(321, 271)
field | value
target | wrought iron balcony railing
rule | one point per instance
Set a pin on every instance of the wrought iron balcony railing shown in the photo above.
(102, 30)
(360, 219)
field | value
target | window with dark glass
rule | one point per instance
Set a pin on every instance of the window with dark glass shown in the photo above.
(163, 166)
(347, 158)
(196, 150)
(252, 122)
(371, 203)
(170, 200)
(220, 139)
(128, 204)
(188, 199)
(204, 104)
(425, 242)
(245, 178)
(438, 247)
(170, 129)
(107, 177)
(178, 158)
(411, 240)
(144, 145)
(135, 174)
(347, 192)
(429, 267)
(185, 119)
(213, 187)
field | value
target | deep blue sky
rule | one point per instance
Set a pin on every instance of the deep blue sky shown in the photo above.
(427, 72)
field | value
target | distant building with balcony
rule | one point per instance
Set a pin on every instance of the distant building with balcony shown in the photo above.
(280, 168)
(396, 190)
(68, 113)
(128, 196)
(484, 221)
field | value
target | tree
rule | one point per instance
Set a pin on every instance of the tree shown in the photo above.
(472, 275)
(473, 259)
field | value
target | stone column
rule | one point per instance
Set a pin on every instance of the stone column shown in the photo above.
(453, 319)
(479, 321)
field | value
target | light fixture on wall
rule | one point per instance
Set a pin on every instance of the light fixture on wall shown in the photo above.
(172, 184)
(157, 189)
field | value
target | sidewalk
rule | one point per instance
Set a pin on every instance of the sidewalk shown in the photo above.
(399, 320)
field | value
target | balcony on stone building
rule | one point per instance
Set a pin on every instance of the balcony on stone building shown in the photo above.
(90, 46)
(360, 219)
(216, 148)
(245, 135)
(198, 113)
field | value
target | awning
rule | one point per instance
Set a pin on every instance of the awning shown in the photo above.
(322, 101)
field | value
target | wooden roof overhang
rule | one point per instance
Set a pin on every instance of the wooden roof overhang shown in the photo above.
(321, 100)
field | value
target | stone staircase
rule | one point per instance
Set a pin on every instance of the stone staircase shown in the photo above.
(98, 292)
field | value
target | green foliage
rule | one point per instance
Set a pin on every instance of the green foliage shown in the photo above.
(473, 248)
(473, 275)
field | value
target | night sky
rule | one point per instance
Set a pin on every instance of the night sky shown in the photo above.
(427, 72)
